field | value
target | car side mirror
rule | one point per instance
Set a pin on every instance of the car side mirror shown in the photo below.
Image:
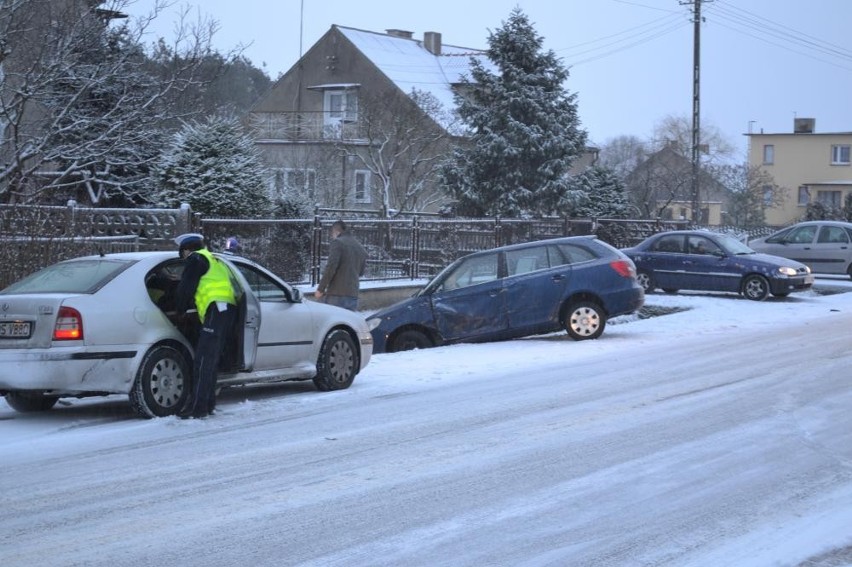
(297, 295)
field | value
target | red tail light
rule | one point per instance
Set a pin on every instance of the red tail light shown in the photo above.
(624, 268)
(69, 325)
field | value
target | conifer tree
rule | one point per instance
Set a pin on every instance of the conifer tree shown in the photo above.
(524, 129)
(604, 194)
(215, 168)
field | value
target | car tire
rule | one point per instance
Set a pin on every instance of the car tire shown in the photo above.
(410, 340)
(584, 320)
(646, 280)
(26, 402)
(755, 287)
(337, 364)
(162, 383)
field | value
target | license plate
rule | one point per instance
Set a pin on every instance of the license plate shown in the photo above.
(15, 330)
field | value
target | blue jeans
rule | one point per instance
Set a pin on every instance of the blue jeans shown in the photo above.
(344, 301)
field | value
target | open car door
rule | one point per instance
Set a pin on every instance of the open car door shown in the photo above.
(248, 318)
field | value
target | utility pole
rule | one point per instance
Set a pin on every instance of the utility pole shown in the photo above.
(696, 107)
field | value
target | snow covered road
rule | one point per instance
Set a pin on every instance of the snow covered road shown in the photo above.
(721, 435)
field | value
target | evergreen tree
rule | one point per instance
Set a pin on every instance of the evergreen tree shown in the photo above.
(846, 212)
(214, 167)
(604, 194)
(85, 110)
(102, 134)
(525, 131)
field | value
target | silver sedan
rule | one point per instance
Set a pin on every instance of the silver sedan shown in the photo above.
(825, 246)
(101, 325)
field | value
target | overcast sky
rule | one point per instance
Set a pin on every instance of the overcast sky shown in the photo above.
(763, 62)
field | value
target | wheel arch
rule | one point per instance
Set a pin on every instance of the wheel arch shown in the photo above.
(141, 397)
(173, 343)
(433, 334)
(752, 274)
(580, 296)
(354, 336)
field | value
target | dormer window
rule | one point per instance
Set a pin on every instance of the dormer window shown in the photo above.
(339, 106)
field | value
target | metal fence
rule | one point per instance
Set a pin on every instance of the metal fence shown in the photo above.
(413, 248)
(417, 246)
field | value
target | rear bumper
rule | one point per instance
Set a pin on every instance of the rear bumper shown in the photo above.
(625, 301)
(69, 370)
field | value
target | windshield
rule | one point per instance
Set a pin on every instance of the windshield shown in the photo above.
(733, 246)
(78, 276)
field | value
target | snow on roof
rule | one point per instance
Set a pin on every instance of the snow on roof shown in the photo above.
(334, 86)
(410, 65)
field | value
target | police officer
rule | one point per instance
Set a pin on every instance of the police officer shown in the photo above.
(232, 246)
(206, 286)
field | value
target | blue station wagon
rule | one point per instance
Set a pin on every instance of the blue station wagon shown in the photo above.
(573, 283)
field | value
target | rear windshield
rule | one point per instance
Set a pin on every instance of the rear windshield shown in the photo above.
(79, 276)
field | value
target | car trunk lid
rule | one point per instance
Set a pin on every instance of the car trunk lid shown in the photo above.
(28, 321)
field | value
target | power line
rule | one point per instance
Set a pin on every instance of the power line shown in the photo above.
(628, 39)
(785, 32)
(780, 36)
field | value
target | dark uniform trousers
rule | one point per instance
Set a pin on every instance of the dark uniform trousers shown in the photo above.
(211, 343)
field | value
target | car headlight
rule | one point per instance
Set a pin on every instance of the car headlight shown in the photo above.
(373, 322)
(787, 271)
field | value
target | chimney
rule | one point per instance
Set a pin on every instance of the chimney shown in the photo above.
(804, 125)
(400, 33)
(432, 42)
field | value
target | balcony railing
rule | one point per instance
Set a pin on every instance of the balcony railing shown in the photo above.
(301, 126)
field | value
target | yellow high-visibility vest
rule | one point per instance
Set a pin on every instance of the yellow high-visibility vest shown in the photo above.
(215, 285)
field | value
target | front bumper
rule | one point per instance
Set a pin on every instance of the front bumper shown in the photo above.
(788, 285)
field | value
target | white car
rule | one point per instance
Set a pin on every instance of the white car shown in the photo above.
(825, 246)
(101, 325)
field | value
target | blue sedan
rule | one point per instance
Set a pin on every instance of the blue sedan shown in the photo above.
(707, 261)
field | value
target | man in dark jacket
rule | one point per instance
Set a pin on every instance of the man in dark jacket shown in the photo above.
(347, 259)
(205, 286)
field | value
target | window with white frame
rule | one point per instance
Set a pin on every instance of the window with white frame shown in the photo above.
(768, 154)
(840, 154)
(362, 186)
(339, 107)
(804, 195)
(285, 180)
(767, 195)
